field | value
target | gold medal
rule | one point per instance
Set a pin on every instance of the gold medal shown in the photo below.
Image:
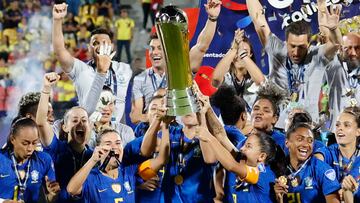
(294, 182)
(282, 180)
(178, 180)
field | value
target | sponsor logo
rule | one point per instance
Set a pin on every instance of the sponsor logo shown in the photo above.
(102, 190)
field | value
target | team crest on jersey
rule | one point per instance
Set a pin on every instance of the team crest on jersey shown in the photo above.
(330, 174)
(116, 188)
(34, 176)
(127, 187)
(308, 183)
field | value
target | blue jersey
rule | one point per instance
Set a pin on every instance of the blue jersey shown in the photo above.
(196, 174)
(145, 195)
(41, 165)
(67, 163)
(331, 157)
(236, 191)
(100, 188)
(234, 134)
(316, 180)
(260, 192)
(141, 129)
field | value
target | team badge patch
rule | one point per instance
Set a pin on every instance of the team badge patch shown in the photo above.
(330, 174)
(116, 188)
(127, 187)
(308, 183)
(34, 176)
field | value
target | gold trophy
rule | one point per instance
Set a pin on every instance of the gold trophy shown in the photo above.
(172, 30)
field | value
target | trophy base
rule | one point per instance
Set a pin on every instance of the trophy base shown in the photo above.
(181, 102)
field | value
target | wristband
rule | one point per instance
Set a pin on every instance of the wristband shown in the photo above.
(212, 19)
(243, 54)
(44, 92)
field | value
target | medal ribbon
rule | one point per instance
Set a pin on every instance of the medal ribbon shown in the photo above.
(345, 169)
(294, 173)
(154, 82)
(22, 185)
(294, 78)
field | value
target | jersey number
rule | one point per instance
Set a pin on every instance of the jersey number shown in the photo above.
(293, 197)
(117, 200)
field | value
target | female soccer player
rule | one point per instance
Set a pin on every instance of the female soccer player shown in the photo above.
(248, 185)
(238, 69)
(265, 112)
(344, 157)
(307, 179)
(69, 155)
(113, 181)
(23, 170)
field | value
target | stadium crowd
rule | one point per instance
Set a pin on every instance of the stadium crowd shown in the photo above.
(289, 136)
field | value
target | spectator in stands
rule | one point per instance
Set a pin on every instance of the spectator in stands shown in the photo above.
(5, 48)
(146, 7)
(238, 69)
(294, 65)
(83, 34)
(28, 10)
(12, 18)
(116, 75)
(64, 96)
(105, 8)
(147, 82)
(124, 33)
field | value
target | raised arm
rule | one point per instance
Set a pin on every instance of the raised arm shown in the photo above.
(45, 129)
(164, 150)
(330, 22)
(224, 64)
(198, 51)
(254, 71)
(103, 62)
(76, 183)
(206, 150)
(63, 55)
(244, 172)
(257, 15)
(149, 142)
(216, 129)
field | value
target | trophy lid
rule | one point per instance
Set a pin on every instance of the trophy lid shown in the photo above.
(171, 14)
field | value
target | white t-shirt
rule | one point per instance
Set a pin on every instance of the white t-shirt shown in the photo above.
(314, 65)
(83, 76)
